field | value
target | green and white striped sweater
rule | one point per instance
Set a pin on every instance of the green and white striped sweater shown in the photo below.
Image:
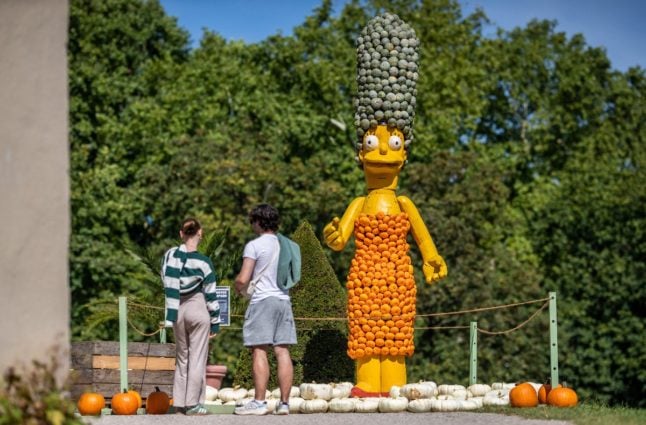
(185, 272)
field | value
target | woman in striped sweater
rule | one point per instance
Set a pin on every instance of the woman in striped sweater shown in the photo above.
(193, 310)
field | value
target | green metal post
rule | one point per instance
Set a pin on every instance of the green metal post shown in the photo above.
(123, 342)
(162, 333)
(554, 345)
(473, 353)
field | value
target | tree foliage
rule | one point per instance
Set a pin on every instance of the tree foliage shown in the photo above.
(527, 166)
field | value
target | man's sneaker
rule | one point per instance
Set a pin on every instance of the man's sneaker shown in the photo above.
(282, 409)
(254, 407)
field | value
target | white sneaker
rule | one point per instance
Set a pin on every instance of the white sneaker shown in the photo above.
(282, 409)
(254, 407)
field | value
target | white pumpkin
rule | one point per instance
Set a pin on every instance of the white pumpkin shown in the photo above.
(478, 390)
(417, 391)
(445, 397)
(295, 404)
(392, 405)
(366, 405)
(317, 405)
(496, 398)
(341, 405)
(341, 390)
(395, 391)
(293, 392)
(450, 405)
(421, 405)
(211, 393)
(460, 394)
(232, 394)
(271, 404)
(449, 389)
(468, 405)
(430, 384)
(313, 391)
(502, 385)
(476, 400)
(252, 393)
(213, 402)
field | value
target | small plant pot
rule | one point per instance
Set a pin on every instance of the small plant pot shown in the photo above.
(215, 374)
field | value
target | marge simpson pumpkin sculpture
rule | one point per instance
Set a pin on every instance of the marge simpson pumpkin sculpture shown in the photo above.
(380, 283)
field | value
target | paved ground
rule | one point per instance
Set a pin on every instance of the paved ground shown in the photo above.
(454, 418)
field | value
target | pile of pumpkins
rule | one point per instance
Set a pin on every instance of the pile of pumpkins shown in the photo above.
(424, 396)
(127, 402)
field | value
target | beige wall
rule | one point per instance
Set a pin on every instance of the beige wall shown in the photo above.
(34, 182)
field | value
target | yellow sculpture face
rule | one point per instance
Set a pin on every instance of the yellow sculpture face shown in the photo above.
(382, 155)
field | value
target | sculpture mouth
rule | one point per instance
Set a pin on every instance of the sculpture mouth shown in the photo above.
(383, 164)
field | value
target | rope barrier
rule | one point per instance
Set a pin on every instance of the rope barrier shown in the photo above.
(475, 310)
(515, 328)
(345, 319)
(142, 333)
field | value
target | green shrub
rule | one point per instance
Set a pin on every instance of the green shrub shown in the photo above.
(34, 396)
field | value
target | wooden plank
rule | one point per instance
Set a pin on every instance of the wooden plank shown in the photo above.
(111, 348)
(148, 363)
(108, 390)
(162, 377)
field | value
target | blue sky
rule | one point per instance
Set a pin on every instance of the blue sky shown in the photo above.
(616, 25)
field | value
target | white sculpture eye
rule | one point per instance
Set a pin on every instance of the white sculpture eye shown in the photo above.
(395, 143)
(371, 143)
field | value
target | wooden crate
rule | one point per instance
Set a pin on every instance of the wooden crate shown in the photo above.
(95, 367)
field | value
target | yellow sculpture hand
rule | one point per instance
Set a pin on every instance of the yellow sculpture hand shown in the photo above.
(434, 269)
(333, 235)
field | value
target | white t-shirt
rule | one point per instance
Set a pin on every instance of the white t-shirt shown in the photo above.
(262, 249)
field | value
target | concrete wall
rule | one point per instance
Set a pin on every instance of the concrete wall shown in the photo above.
(34, 181)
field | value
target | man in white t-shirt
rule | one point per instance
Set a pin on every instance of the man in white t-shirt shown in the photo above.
(269, 320)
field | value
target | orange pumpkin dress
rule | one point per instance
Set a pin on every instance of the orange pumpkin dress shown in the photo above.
(381, 288)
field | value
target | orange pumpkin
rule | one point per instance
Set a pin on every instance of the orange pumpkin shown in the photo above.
(157, 402)
(544, 391)
(523, 395)
(91, 404)
(124, 403)
(140, 402)
(562, 397)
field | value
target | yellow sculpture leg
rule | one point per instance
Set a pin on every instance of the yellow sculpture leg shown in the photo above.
(369, 374)
(393, 372)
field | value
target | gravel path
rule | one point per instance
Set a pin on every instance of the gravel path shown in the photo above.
(453, 418)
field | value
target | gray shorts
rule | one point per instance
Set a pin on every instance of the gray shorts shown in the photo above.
(269, 322)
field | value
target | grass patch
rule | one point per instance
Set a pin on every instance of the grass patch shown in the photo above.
(582, 414)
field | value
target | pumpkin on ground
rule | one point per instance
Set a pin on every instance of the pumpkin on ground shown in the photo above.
(392, 405)
(91, 404)
(317, 405)
(341, 405)
(124, 403)
(157, 402)
(543, 392)
(523, 395)
(562, 397)
(420, 405)
(140, 402)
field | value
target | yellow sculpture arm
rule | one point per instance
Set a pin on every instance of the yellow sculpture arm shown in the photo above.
(337, 232)
(434, 267)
